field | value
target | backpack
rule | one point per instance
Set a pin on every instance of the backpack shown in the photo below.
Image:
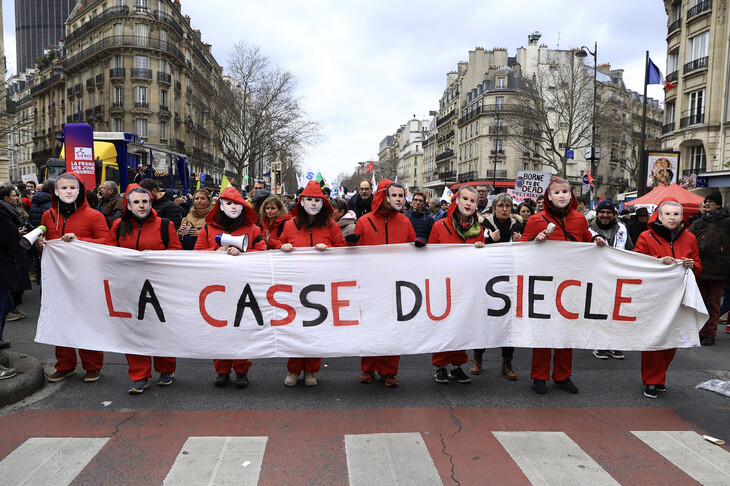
(164, 231)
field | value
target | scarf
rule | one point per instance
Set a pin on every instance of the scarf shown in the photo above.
(66, 209)
(466, 229)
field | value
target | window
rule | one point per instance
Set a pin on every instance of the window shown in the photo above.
(497, 146)
(118, 62)
(669, 112)
(698, 46)
(141, 62)
(697, 102)
(499, 101)
(117, 125)
(673, 62)
(501, 83)
(697, 159)
(140, 96)
(118, 96)
(163, 35)
(163, 66)
(140, 126)
(142, 33)
(118, 29)
(163, 97)
(163, 130)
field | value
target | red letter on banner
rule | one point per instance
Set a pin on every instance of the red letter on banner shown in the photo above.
(559, 298)
(290, 312)
(337, 303)
(448, 302)
(623, 300)
(520, 288)
(201, 303)
(110, 306)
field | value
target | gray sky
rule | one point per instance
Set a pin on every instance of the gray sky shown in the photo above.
(364, 68)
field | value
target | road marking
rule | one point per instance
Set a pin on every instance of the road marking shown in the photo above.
(49, 460)
(706, 463)
(218, 460)
(552, 458)
(389, 459)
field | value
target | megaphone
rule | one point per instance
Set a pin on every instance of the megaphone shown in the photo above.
(240, 242)
(28, 240)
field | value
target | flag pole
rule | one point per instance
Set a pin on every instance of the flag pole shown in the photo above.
(641, 189)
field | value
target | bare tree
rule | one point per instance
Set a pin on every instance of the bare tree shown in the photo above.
(257, 114)
(557, 113)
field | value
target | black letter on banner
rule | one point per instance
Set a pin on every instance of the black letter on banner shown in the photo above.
(490, 291)
(312, 305)
(589, 296)
(247, 299)
(399, 300)
(532, 297)
(147, 296)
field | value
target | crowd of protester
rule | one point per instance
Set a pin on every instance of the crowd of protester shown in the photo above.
(148, 218)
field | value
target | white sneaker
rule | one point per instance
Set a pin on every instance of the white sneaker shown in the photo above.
(291, 379)
(309, 379)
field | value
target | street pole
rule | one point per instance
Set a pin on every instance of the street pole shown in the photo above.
(641, 183)
(582, 53)
(496, 150)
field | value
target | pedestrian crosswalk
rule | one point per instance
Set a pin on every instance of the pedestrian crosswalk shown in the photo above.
(541, 457)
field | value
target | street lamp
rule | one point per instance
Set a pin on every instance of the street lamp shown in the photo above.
(582, 53)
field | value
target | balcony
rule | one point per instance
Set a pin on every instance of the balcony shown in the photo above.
(78, 88)
(497, 152)
(445, 118)
(124, 41)
(141, 104)
(495, 130)
(118, 104)
(692, 119)
(506, 108)
(164, 78)
(696, 64)
(447, 176)
(499, 174)
(446, 137)
(117, 73)
(696, 170)
(467, 176)
(42, 154)
(99, 79)
(672, 77)
(93, 22)
(668, 128)
(99, 110)
(178, 86)
(169, 20)
(45, 84)
(70, 92)
(88, 113)
(165, 108)
(469, 116)
(444, 155)
(141, 73)
(90, 83)
(178, 145)
(701, 7)
(674, 26)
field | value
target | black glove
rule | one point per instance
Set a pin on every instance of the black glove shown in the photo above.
(420, 242)
(352, 238)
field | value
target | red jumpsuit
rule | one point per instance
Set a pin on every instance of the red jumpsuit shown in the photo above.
(657, 242)
(206, 242)
(88, 225)
(274, 228)
(145, 236)
(569, 227)
(377, 229)
(443, 232)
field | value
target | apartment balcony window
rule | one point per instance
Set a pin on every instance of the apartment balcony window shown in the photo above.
(501, 174)
(447, 176)
(164, 108)
(117, 73)
(467, 176)
(164, 78)
(668, 128)
(90, 83)
(674, 26)
(672, 77)
(118, 104)
(700, 7)
(691, 119)
(141, 104)
(696, 64)
(141, 73)
(99, 79)
(78, 88)
(178, 86)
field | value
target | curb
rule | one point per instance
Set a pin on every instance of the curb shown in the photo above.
(30, 377)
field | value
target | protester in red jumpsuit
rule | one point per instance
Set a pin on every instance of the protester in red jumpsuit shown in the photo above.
(461, 225)
(141, 229)
(385, 225)
(69, 219)
(560, 205)
(311, 225)
(667, 239)
(231, 215)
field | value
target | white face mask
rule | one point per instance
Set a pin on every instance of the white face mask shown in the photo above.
(231, 209)
(67, 190)
(312, 205)
(139, 205)
(467, 203)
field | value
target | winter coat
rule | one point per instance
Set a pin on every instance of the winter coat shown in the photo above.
(617, 236)
(657, 241)
(569, 227)
(86, 223)
(375, 228)
(444, 232)
(359, 205)
(274, 228)
(113, 207)
(206, 238)
(330, 235)
(422, 222)
(713, 240)
(41, 204)
(635, 229)
(491, 223)
(166, 208)
(13, 260)
(347, 222)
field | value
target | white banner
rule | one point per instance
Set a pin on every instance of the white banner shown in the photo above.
(532, 184)
(385, 300)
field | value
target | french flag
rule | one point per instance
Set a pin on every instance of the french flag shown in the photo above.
(655, 76)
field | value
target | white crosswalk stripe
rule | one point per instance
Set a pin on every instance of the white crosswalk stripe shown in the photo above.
(389, 459)
(49, 460)
(705, 462)
(552, 458)
(218, 460)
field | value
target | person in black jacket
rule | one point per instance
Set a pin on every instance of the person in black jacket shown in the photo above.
(712, 231)
(420, 217)
(41, 203)
(163, 204)
(361, 202)
(638, 224)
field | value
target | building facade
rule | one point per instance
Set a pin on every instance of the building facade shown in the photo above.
(38, 25)
(20, 128)
(696, 110)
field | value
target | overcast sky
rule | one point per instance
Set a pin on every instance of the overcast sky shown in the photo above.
(365, 68)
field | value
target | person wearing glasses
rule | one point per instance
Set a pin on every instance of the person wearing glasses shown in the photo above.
(362, 201)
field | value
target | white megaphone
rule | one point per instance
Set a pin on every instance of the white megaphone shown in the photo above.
(27, 241)
(240, 242)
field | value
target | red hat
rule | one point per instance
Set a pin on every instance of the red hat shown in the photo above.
(232, 194)
(380, 194)
(312, 189)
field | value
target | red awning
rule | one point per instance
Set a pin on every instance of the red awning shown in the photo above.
(510, 184)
